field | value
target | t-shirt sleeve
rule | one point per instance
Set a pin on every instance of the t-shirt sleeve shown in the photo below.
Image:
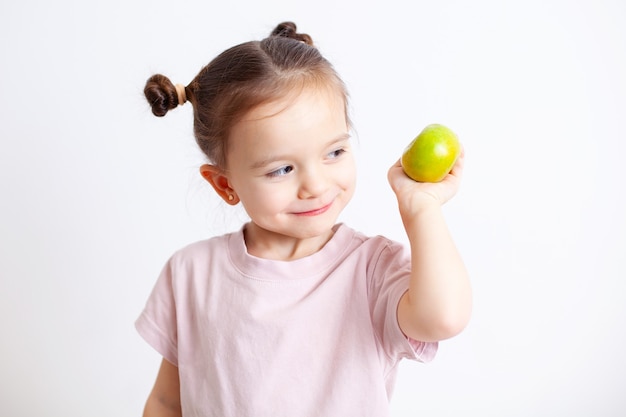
(157, 322)
(389, 281)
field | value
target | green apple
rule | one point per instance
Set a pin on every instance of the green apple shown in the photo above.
(432, 154)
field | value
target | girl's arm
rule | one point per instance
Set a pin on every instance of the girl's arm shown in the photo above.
(164, 400)
(438, 303)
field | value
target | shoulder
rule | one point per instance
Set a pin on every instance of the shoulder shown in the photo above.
(201, 251)
(192, 268)
(375, 250)
(373, 244)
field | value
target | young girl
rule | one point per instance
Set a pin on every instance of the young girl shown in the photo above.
(294, 315)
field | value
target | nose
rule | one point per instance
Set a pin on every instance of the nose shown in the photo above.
(312, 183)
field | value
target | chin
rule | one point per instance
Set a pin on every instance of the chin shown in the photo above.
(310, 228)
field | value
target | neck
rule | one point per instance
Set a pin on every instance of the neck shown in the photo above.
(269, 245)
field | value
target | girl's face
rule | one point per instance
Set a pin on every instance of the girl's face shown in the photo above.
(290, 163)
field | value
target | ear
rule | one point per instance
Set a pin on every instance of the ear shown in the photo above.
(218, 179)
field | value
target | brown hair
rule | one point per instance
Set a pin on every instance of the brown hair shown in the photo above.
(241, 78)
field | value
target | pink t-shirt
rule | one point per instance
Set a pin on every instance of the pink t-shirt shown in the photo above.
(317, 336)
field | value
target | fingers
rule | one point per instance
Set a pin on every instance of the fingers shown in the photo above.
(457, 168)
(395, 174)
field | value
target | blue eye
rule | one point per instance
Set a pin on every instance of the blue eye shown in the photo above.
(336, 153)
(281, 171)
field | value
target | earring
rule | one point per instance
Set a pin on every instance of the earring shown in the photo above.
(231, 197)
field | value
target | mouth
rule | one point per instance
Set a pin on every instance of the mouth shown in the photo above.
(315, 212)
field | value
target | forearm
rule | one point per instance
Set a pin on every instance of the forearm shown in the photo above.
(155, 407)
(438, 303)
(164, 399)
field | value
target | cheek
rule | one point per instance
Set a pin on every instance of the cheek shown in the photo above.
(347, 174)
(265, 198)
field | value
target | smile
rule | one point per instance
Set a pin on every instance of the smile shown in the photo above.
(315, 212)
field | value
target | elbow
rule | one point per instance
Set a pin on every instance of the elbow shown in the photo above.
(452, 316)
(433, 325)
(450, 325)
(442, 327)
(452, 320)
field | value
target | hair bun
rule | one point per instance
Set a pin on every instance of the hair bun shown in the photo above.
(289, 30)
(161, 94)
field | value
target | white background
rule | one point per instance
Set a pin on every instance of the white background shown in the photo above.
(96, 193)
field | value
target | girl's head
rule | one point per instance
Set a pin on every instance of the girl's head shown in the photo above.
(271, 116)
(242, 78)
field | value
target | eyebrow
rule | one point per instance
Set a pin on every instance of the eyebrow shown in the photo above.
(270, 159)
